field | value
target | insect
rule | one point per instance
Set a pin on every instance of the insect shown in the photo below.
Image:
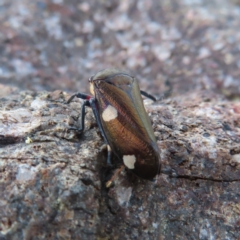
(124, 124)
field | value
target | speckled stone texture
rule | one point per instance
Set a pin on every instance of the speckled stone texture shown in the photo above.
(52, 181)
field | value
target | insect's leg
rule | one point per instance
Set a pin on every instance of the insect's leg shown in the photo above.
(148, 95)
(109, 156)
(90, 102)
(79, 95)
(109, 182)
(94, 107)
(81, 128)
(85, 103)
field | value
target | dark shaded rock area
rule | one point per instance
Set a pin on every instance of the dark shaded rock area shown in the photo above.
(52, 180)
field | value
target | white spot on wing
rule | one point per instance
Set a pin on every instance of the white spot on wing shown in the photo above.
(109, 113)
(129, 161)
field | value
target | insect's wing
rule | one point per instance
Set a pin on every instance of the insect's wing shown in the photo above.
(138, 104)
(127, 126)
(119, 116)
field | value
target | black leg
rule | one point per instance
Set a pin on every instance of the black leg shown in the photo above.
(148, 95)
(81, 128)
(93, 105)
(85, 103)
(90, 102)
(109, 182)
(79, 95)
(109, 156)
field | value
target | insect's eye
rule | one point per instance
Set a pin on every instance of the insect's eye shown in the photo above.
(90, 79)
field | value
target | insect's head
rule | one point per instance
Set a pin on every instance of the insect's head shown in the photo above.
(110, 76)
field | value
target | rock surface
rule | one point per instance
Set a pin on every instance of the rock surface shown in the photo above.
(52, 181)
